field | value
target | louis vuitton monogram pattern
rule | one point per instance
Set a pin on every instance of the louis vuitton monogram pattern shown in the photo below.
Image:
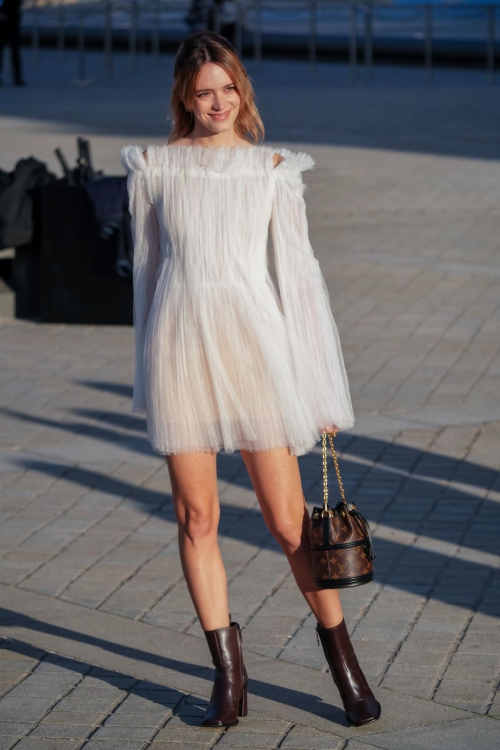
(334, 567)
(338, 564)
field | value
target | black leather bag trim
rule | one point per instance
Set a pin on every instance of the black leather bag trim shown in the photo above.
(341, 545)
(343, 583)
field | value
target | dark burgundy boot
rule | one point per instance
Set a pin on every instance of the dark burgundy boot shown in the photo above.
(229, 693)
(361, 706)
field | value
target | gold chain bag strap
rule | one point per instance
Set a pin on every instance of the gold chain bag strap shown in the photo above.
(340, 539)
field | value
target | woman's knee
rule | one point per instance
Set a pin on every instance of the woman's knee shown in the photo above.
(287, 532)
(194, 489)
(198, 522)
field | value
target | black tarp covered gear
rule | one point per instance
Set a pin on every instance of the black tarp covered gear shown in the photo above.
(79, 281)
(17, 197)
(109, 198)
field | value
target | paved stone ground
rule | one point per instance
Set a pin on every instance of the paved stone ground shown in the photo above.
(101, 647)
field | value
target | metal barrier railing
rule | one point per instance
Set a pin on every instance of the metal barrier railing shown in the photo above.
(359, 19)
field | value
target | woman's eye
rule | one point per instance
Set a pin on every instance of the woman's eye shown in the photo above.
(205, 93)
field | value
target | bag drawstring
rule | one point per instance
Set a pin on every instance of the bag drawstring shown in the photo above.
(366, 530)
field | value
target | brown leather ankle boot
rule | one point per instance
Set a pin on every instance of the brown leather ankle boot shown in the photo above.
(229, 693)
(360, 704)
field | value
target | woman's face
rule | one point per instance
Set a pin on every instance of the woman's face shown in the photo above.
(216, 101)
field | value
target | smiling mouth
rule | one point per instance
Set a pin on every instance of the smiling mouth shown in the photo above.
(220, 116)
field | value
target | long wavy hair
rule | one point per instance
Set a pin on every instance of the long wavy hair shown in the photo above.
(194, 52)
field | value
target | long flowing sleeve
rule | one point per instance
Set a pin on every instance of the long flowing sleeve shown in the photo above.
(145, 235)
(313, 335)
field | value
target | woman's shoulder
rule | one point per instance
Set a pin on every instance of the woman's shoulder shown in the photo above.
(289, 170)
(133, 158)
(293, 162)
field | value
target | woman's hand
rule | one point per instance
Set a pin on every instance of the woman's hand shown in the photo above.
(330, 428)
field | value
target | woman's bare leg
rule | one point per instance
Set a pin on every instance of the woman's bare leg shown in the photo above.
(275, 476)
(193, 477)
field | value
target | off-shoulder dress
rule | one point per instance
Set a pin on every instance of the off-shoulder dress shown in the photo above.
(226, 358)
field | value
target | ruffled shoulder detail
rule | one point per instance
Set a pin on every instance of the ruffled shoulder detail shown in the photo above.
(132, 158)
(295, 161)
(289, 170)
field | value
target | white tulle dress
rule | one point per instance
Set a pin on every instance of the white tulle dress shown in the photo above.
(224, 359)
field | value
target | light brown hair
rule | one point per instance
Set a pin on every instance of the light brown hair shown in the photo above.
(194, 52)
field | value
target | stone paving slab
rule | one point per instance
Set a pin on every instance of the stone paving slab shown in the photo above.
(463, 734)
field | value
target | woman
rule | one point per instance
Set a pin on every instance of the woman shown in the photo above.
(224, 360)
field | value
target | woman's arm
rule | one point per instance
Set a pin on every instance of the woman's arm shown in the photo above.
(145, 236)
(315, 344)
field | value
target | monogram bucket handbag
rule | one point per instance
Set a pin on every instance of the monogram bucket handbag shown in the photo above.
(340, 539)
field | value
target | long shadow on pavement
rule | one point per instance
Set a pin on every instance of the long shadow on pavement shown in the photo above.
(286, 696)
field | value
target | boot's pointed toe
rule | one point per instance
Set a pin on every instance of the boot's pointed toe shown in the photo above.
(216, 717)
(360, 705)
(364, 712)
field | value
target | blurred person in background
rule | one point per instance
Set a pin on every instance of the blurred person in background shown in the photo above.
(202, 14)
(10, 21)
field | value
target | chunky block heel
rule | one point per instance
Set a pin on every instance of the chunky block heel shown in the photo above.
(243, 706)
